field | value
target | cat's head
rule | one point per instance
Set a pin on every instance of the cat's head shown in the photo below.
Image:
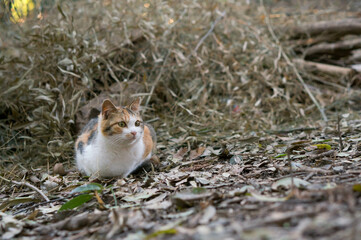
(122, 125)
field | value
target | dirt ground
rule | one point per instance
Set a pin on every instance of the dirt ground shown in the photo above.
(241, 189)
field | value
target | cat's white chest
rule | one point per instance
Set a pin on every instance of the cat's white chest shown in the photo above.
(108, 160)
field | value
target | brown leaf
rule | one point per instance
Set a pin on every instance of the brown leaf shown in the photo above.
(59, 169)
(180, 154)
(196, 153)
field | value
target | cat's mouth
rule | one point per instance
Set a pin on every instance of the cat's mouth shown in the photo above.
(131, 137)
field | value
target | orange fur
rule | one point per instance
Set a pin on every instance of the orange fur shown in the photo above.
(84, 137)
(148, 142)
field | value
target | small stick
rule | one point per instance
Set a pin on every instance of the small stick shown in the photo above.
(309, 176)
(339, 131)
(299, 129)
(324, 154)
(305, 169)
(321, 67)
(156, 80)
(339, 27)
(38, 204)
(219, 18)
(29, 186)
(291, 172)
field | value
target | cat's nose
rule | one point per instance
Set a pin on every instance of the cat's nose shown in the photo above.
(133, 133)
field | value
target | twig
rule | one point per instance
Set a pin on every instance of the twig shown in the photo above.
(339, 132)
(219, 18)
(340, 28)
(294, 173)
(284, 55)
(299, 129)
(309, 176)
(39, 204)
(291, 172)
(29, 186)
(356, 154)
(353, 171)
(321, 67)
(325, 154)
(13, 137)
(279, 218)
(341, 48)
(304, 169)
(156, 80)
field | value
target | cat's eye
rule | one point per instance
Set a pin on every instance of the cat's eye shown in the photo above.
(122, 124)
(137, 123)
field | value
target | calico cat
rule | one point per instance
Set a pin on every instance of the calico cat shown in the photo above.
(116, 142)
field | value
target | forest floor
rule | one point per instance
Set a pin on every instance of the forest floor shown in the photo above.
(245, 149)
(239, 189)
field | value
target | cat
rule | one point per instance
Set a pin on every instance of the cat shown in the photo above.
(115, 143)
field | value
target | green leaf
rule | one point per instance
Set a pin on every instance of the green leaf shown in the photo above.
(162, 232)
(281, 155)
(88, 188)
(198, 190)
(356, 187)
(76, 202)
(323, 146)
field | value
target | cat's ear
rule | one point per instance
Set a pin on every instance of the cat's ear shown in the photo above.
(135, 105)
(107, 108)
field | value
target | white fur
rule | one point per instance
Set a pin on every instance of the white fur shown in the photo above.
(111, 156)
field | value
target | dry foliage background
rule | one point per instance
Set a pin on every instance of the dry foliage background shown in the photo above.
(212, 77)
(51, 68)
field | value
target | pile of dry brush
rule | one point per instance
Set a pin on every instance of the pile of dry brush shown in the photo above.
(331, 49)
(204, 68)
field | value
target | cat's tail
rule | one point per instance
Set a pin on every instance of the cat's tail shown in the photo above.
(154, 137)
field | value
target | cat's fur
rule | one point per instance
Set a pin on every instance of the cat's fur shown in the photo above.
(115, 143)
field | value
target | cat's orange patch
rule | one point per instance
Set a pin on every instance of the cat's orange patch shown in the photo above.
(84, 137)
(148, 142)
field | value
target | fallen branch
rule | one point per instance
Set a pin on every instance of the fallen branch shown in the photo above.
(355, 57)
(340, 49)
(29, 186)
(340, 27)
(299, 129)
(303, 169)
(277, 219)
(321, 67)
(73, 223)
(312, 40)
(321, 155)
(339, 132)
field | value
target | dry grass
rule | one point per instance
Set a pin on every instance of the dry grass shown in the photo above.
(236, 81)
